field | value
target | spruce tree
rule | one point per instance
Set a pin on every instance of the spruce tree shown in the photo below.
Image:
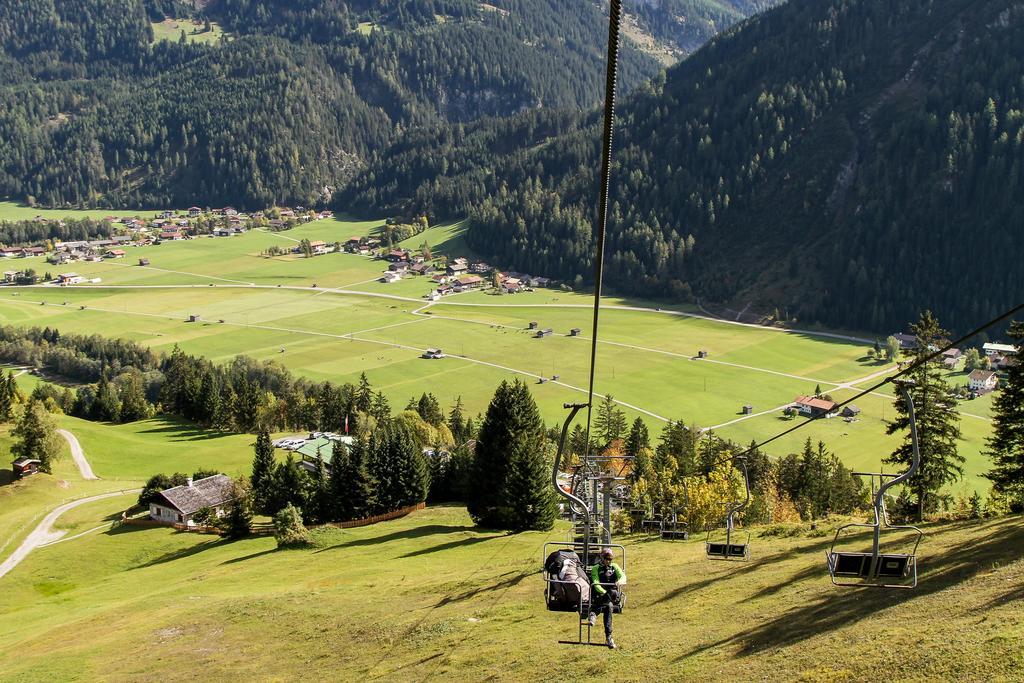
(410, 480)
(352, 486)
(379, 466)
(430, 410)
(1006, 444)
(639, 438)
(237, 522)
(36, 434)
(610, 422)
(262, 477)
(457, 423)
(364, 394)
(937, 423)
(507, 488)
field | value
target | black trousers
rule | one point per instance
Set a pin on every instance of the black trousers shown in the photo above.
(603, 604)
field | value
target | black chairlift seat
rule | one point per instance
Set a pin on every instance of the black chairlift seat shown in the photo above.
(674, 534)
(727, 551)
(891, 566)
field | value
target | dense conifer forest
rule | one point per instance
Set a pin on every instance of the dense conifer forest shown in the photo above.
(793, 163)
(295, 99)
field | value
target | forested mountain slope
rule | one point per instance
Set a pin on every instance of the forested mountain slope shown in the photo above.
(850, 162)
(93, 111)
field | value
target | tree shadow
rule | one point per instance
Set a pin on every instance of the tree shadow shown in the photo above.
(509, 582)
(841, 609)
(184, 552)
(250, 556)
(744, 569)
(185, 431)
(415, 532)
(452, 544)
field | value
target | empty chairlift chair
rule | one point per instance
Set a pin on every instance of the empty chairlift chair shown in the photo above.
(877, 569)
(734, 545)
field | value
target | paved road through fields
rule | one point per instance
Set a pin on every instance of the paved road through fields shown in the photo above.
(44, 533)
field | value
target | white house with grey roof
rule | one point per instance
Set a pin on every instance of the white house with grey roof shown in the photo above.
(179, 505)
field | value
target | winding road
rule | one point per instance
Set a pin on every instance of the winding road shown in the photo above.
(44, 534)
(78, 455)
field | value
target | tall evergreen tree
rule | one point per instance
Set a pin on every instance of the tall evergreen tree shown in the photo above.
(937, 423)
(507, 491)
(262, 478)
(410, 480)
(458, 423)
(638, 438)
(364, 394)
(430, 410)
(36, 434)
(352, 486)
(610, 422)
(1006, 444)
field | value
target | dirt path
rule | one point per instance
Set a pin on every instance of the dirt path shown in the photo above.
(44, 533)
(78, 454)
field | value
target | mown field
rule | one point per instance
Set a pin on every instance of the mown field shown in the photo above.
(430, 597)
(328, 318)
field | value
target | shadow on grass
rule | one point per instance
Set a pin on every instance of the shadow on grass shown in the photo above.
(508, 582)
(184, 552)
(415, 532)
(250, 556)
(6, 477)
(843, 608)
(744, 568)
(452, 544)
(184, 431)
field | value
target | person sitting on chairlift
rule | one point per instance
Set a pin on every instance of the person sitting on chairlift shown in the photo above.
(605, 579)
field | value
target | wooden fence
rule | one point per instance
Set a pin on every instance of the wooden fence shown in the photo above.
(387, 516)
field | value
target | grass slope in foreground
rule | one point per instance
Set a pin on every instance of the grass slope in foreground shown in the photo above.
(432, 597)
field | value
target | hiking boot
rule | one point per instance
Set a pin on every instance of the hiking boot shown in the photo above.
(611, 643)
(592, 619)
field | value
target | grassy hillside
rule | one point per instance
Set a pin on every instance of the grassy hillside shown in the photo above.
(430, 597)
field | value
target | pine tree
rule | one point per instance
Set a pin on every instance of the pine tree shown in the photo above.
(937, 423)
(528, 490)
(680, 442)
(379, 467)
(610, 422)
(638, 438)
(813, 500)
(262, 472)
(134, 405)
(430, 410)
(410, 479)
(237, 522)
(352, 486)
(8, 395)
(364, 394)
(107, 406)
(290, 485)
(36, 434)
(380, 410)
(457, 423)
(507, 490)
(1006, 444)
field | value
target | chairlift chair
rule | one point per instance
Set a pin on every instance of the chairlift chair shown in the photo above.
(729, 549)
(672, 529)
(877, 569)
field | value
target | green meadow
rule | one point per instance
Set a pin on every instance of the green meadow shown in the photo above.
(431, 597)
(170, 29)
(328, 318)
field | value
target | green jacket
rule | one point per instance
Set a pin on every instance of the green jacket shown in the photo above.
(601, 574)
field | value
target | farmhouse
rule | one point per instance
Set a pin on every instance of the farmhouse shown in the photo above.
(193, 212)
(179, 505)
(457, 268)
(318, 247)
(22, 467)
(397, 255)
(907, 341)
(422, 268)
(352, 245)
(69, 279)
(469, 281)
(815, 407)
(398, 267)
(982, 381)
(115, 253)
(999, 350)
(33, 251)
(171, 235)
(390, 276)
(11, 275)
